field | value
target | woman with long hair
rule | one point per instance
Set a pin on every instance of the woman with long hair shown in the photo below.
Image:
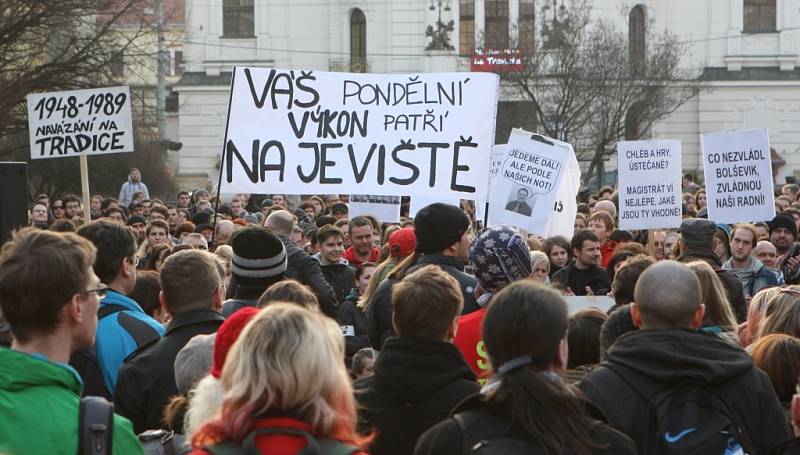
(540, 267)
(527, 401)
(285, 388)
(718, 317)
(558, 250)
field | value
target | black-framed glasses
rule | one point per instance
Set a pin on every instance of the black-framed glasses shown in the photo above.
(101, 291)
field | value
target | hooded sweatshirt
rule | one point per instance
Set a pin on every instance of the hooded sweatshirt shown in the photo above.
(129, 188)
(754, 277)
(656, 360)
(417, 383)
(341, 276)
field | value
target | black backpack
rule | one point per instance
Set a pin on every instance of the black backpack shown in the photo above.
(485, 434)
(95, 426)
(689, 418)
(314, 446)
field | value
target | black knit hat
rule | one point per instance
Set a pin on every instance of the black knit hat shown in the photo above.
(783, 221)
(438, 226)
(259, 256)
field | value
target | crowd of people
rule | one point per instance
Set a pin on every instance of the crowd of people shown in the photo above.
(277, 324)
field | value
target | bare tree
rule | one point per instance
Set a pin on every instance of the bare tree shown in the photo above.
(589, 86)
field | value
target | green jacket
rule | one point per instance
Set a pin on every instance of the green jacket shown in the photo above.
(39, 403)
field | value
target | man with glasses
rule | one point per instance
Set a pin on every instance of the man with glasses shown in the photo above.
(123, 326)
(50, 296)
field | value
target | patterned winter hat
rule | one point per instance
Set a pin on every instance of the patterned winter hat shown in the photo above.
(499, 257)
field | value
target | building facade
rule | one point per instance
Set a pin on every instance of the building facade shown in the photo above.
(748, 50)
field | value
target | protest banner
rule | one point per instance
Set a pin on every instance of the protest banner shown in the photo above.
(324, 133)
(418, 202)
(649, 184)
(562, 221)
(524, 191)
(78, 122)
(385, 209)
(738, 176)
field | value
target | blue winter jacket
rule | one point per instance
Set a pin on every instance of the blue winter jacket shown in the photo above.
(121, 333)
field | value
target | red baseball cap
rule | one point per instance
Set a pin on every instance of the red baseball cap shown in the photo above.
(402, 242)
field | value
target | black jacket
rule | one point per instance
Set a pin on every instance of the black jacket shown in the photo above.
(380, 308)
(306, 270)
(354, 324)
(341, 276)
(146, 380)
(416, 384)
(733, 286)
(656, 360)
(577, 279)
(488, 421)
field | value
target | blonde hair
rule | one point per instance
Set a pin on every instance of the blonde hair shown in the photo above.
(537, 257)
(718, 310)
(287, 358)
(755, 313)
(783, 313)
(365, 299)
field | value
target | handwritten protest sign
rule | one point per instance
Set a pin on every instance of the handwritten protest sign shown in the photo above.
(80, 122)
(738, 173)
(649, 184)
(318, 132)
(562, 221)
(385, 209)
(524, 191)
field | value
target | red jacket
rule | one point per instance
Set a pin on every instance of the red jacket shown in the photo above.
(350, 255)
(277, 444)
(469, 341)
(607, 250)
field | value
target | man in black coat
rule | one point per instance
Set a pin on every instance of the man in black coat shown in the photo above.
(191, 292)
(443, 239)
(420, 375)
(697, 243)
(584, 275)
(301, 266)
(670, 351)
(259, 260)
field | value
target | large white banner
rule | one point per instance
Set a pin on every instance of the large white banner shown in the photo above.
(562, 222)
(649, 184)
(318, 132)
(78, 122)
(738, 173)
(525, 188)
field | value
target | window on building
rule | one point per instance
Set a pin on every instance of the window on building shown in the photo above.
(525, 25)
(466, 26)
(636, 39)
(358, 41)
(759, 16)
(496, 25)
(238, 19)
(177, 69)
(117, 64)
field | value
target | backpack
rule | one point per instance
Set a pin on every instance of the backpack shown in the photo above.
(85, 360)
(314, 446)
(690, 418)
(163, 442)
(485, 434)
(95, 426)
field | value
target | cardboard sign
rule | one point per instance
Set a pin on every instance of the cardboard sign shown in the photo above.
(385, 209)
(326, 133)
(649, 184)
(562, 222)
(80, 122)
(738, 171)
(524, 191)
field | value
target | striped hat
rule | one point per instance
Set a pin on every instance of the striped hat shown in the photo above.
(259, 257)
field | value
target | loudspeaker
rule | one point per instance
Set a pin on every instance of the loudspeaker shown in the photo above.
(13, 198)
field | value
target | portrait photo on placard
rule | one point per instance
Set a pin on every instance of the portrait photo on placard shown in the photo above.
(520, 200)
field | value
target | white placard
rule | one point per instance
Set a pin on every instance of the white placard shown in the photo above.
(576, 303)
(385, 209)
(419, 202)
(649, 184)
(738, 174)
(524, 191)
(562, 222)
(326, 133)
(80, 122)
